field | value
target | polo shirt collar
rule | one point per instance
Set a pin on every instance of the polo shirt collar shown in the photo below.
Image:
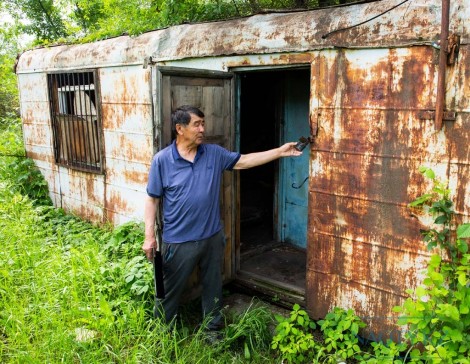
(176, 154)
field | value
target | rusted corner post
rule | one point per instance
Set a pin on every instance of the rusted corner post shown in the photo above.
(441, 77)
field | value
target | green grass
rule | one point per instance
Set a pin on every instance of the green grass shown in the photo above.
(71, 292)
(62, 303)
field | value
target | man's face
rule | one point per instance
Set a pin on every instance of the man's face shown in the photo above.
(193, 133)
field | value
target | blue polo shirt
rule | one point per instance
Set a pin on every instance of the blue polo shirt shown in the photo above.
(190, 190)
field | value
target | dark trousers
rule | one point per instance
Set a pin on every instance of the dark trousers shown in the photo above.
(179, 261)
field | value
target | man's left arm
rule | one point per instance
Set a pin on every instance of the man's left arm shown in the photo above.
(256, 159)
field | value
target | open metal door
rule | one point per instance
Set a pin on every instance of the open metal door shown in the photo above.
(294, 172)
(211, 91)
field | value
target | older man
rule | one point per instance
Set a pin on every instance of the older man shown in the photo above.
(186, 175)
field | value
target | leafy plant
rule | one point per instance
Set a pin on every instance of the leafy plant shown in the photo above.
(294, 337)
(340, 329)
(26, 178)
(129, 274)
(18, 172)
(385, 353)
(438, 313)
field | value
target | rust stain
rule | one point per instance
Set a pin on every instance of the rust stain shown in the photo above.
(125, 116)
(39, 156)
(115, 204)
(136, 177)
(258, 34)
(365, 248)
(293, 58)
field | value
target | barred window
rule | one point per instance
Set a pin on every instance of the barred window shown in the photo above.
(76, 120)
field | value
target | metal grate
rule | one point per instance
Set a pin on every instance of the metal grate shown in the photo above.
(76, 121)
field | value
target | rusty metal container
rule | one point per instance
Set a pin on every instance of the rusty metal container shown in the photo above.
(371, 110)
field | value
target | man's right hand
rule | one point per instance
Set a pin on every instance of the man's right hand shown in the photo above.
(150, 211)
(148, 247)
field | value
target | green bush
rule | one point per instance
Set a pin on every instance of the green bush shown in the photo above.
(294, 339)
(438, 313)
(128, 275)
(340, 329)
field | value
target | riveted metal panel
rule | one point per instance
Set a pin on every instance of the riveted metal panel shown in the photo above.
(81, 193)
(365, 248)
(127, 123)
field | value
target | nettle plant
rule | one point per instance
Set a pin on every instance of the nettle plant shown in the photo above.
(438, 312)
(128, 274)
(339, 330)
(294, 338)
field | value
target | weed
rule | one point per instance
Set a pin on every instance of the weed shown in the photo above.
(294, 338)
(438, 313)
(249, 331)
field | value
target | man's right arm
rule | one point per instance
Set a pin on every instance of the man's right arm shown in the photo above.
(150, 213)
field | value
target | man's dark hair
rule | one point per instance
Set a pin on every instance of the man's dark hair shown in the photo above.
(182, 115)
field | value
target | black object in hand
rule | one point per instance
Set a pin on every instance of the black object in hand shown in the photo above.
(302, 143)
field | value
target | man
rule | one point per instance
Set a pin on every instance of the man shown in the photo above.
(187, 176)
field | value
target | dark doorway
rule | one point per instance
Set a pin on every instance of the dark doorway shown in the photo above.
(269, 259)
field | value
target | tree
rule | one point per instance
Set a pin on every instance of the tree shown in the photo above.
(42, 18)
(88, 20)
(8, 89)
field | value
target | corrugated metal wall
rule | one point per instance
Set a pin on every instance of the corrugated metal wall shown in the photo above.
(365, 248)
(128, 135)
(126, 107)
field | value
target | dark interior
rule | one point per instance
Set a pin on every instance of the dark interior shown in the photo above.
(261, 254)
(258, 133)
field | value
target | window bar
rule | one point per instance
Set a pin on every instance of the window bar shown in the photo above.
(68, 120)
(77, 135)
(92, 133)
(52, 83)
(87, 107)
(77, 119)
(94, 127)
(80, 118)
(73, 102)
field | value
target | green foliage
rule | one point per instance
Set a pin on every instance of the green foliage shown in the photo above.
(248, 331)
(385, 353)
(20, 173)
(28, 180)
(9, 102)
(67, 20)
(11, 137)
(340, 329)
(295, 340)
(129, 275)
(61, 302)
(438, 313)
(44, 17)
(294, 337)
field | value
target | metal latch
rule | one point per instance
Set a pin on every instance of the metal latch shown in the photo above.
(453, 46)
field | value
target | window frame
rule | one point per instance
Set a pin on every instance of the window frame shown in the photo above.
(75, 110)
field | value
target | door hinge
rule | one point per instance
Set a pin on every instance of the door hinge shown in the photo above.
(148, 61)
(431, 114)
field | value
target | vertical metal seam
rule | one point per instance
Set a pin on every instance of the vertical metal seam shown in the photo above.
(441, 76)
